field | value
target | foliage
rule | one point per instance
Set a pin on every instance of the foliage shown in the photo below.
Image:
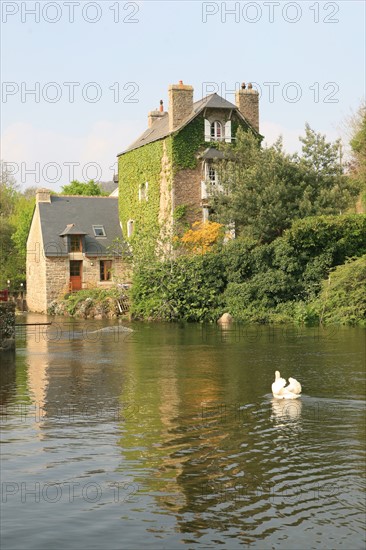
(81, 303)
(342, 299)
(264, 189)
(186, 143)
(16, 211)
(358, 146)
(135, 168)
(91, 188)
(189, 288)
(22, 221)
(258, 282)
(202, 237)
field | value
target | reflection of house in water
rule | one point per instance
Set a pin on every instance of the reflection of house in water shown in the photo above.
(172, 416)
(69, 380)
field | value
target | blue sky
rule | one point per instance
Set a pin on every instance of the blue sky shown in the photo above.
(310, 54)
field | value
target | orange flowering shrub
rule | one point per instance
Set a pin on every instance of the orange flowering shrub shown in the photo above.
(202, 237)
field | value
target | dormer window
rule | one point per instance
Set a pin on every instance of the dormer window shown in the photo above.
(76, 244)
(143, 189)
(99, 231)
(216, 130)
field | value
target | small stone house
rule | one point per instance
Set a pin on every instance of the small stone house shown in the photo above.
(74, 242)
(165, 173)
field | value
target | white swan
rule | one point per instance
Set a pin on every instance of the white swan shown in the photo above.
(292, 391)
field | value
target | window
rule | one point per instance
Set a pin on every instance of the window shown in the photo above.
(212, 176)
(143, 189)
(130, 228)
(216, 130)
(105, 270)
(75, 268)
(99, 230)
(211, 173)
(75, 243)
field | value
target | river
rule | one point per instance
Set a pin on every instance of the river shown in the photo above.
(168, 437)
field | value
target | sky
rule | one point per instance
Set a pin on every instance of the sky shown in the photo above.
(79, 77)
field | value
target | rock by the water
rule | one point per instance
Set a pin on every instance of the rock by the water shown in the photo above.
(225, 319)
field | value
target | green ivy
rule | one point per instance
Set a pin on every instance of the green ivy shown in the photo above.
(186, 144)
(135, 168)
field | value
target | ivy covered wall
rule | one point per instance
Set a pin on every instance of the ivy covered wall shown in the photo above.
(135, 168)
(146, 164)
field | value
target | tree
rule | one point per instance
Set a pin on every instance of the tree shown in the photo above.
(8, 190)
(264, 189)
(260, 189)
(358, 146)
(76, 187)
(327, 190)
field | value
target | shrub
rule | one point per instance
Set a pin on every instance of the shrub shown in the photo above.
(343, 296)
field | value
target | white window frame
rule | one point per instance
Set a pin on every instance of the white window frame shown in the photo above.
(130, 228)
(210, 168)
(95, 227)
(143, 191)
(215, 126)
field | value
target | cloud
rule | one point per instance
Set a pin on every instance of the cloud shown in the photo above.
(41, 157)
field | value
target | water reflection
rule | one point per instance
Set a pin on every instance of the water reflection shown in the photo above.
(184, 428)
(285, 411)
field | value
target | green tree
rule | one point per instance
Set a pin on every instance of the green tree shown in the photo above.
(264, 189)
(21, 220)
(326, 190)
(76, 187)
(358, 146)
(260, 188)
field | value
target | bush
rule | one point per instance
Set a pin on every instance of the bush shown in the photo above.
(190, 288)
(342, 299)
(257, 282)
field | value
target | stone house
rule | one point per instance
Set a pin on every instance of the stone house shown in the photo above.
(165, 173)
(74, 242)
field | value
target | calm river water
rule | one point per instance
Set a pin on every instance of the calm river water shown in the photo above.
(168, 437)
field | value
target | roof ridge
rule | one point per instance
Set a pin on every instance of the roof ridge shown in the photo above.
(85, 196)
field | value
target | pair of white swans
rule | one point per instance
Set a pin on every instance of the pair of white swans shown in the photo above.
(292, 391)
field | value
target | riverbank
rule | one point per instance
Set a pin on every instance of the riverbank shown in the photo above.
(91, 304)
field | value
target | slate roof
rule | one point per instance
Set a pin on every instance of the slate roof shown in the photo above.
(84, 212)
(72, 229)
(212, 153)
(160, 128)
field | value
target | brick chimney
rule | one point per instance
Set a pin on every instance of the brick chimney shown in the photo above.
(247, 101)
(154, 115)
(180, 103)
(43, 195)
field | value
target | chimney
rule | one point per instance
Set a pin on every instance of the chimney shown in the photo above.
(154, 115)
(43, 195)
(247, 101)
(180, 104)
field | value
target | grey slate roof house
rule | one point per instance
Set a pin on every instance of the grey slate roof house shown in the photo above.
(171, 164)
(72, 245)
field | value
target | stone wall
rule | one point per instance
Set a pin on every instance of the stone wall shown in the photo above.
(36, 267)
(187, 191)
(247, 101)
(7, 326)
(57, 278)
(91, 273)
(180, 104)
(165, 206)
